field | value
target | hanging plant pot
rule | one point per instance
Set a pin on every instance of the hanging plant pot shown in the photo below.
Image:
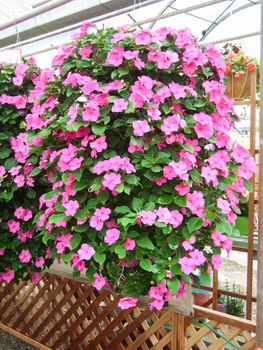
(238, 87)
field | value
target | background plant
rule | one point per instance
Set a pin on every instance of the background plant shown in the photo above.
(21, 252)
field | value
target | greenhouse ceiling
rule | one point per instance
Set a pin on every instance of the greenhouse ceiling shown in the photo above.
(40, 25)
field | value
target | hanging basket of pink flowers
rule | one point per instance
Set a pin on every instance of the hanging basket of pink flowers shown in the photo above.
(144, 181)
(239, 68)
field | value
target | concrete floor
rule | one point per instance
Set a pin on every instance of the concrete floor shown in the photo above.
(8, 342)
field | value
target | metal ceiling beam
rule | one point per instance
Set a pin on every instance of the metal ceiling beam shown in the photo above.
(231, 13)
(169, 4)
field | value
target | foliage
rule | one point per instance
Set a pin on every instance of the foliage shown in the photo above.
(16, 187)
(233, 306)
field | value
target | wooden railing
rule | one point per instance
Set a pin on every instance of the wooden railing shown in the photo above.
(61, 313)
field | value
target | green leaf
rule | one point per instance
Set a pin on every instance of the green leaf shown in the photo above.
(35, 172)
(195, 175)
(51, 194)
(65, 258)
(173, 242)
(122, 209)
(77, 174)
(173, 284)
(78, 186)
(10, 163)
(146, 265)
(137, 204)
(187, 147)
(4, 152)
(98, 129)
(75, 241)
(99, 258)
(55, 218)
(194, 224)
(210, 215)
(119, 188)
(224, 226)
(131, 108)
(125, 221)
(3, 136)
(44, 132)
(132, 179)
(122, 71)
(47, 238)
(180, 201)
(145, 242)
(166, 108)
(103, 196)
(111, 98)
(120, 251)
(89, 274)
(248, 185)
(166, 199)
(206, 278)
(136, 140)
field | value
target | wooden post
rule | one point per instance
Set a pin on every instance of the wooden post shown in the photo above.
(260, 210)
(215, 290)
(251, 203)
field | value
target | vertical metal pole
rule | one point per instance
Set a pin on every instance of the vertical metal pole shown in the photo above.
(259, 335)
(251, 202)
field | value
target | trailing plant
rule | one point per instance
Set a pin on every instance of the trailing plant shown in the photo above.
(132, 137)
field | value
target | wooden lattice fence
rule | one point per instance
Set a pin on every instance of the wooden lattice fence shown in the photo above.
(60, 313)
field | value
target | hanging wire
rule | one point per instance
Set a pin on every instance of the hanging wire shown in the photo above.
(195, 16)
(214, 23)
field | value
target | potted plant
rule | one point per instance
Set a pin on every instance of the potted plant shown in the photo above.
(239, 67)
(130, 138)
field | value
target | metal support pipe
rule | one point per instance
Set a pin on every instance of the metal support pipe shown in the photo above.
(259, 335)
(40, 3)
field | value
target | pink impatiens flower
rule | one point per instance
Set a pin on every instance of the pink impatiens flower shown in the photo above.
(115, 56)
(204, 125)
(129, 244)
(147, 217)
(111, 180)
(86, 252)
(112, 235)
(13, 226)
(23, 214)
(140, 127)
(216, 261)
(71, 207)
(119, 105)
(39, 261)
(35, 278)
(128, 302)
(25, 256)
(187, 265)
(99, 282)
(224, 205)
